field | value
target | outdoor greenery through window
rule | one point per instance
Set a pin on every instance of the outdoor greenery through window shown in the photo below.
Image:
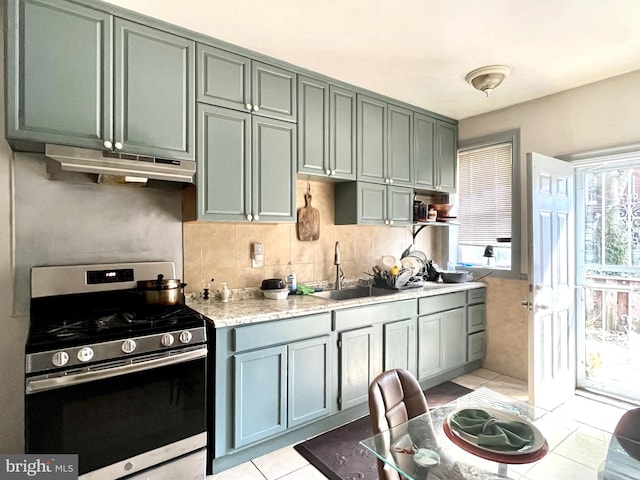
(485, 177)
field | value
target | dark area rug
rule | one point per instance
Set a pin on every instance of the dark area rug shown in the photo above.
(337, 453)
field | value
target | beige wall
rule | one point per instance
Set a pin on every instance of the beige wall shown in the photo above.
(223, 250)
(601, 115)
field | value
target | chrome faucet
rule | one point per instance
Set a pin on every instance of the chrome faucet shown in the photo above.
(336, 262)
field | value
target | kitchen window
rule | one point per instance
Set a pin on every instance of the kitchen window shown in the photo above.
(488, 203)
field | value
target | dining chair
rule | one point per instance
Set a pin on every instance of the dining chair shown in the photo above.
(395, 397)
(623, 455)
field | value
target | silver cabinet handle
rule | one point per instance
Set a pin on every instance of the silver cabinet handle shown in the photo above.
(390, 222)
(256, 218)
(249, 217)
(256, 108)
(328, 172)
(391, 180)
(333, 172)
(386, 222)
(118, 145)
(249, 106)
(107, 144)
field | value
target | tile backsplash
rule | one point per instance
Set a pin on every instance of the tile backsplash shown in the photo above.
(223, 250)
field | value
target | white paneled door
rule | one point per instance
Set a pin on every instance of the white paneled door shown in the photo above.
(552, 324)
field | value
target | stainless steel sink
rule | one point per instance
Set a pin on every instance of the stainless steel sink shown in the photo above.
(353, 292)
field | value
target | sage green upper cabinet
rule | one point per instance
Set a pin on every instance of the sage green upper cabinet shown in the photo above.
(313, 126)
(234, 81)
(400, 139)
(245, 167)
(86, 79)
(435, 154)
(326, 129)
(342, 132)
(447, 155)
(385, 138)
(367, 203)
(154, 92)
(372, 139)
(59, 74)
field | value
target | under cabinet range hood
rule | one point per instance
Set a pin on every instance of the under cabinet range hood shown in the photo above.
(74, 159)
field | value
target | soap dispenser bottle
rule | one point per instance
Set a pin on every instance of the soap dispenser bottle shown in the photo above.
(224, 292)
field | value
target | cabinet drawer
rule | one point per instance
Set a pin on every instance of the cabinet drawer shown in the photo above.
(368, 315)
(476, 318)
(477, 295)
(476, 346)
(283, 331)
(439, 303)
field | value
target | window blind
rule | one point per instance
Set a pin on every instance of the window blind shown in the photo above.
(484, 192)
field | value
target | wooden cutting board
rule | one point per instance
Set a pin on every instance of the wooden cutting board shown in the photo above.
(308, 221)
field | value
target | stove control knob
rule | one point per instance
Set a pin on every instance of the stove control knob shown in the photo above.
(167, 340)
(60, 359)
(128, 346)
(85, 354)
(185, 337)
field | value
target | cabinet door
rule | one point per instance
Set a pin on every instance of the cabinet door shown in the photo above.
(399, 205)
(429, 345)
(372, 139)
(313, 126)
(447, 155)
(154, 92)
(309, 380)
(59, 77)
(223, 164)
(400, 345)
(274, 173)
(453, 329)
(224, 78)
(342, 133)
(476, 346)
(400, 144)
(260, 389)
(273, 92)
(356, 368)
(372, 203)
(424, 129)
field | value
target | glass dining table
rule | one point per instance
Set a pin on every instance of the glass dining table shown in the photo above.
(427, 448)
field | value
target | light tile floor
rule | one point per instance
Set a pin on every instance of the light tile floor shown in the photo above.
(578, 434)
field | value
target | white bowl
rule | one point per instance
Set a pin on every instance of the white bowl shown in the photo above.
(276, 294)
(426, 457)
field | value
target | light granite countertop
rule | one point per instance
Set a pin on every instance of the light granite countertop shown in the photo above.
(256, 309)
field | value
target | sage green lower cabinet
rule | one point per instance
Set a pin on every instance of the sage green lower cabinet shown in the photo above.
(270, 377)
(365, 335)
(400, 346)
(280, 387)
(246, 167)
(442, 333)
(260, 389)
(365, 203)
(476, 324)
(358, 365)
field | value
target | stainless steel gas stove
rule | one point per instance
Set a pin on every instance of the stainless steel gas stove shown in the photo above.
(112, 379)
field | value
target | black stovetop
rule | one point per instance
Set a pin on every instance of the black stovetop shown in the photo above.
(72, 320)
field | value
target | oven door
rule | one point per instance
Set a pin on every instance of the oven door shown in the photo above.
(123, 419)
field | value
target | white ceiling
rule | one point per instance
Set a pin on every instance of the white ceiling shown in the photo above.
(419, 51)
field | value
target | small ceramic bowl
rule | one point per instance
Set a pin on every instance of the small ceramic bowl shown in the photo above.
(426, 457)
(279, 294)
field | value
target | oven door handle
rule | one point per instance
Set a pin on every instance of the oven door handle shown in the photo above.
(35, 385)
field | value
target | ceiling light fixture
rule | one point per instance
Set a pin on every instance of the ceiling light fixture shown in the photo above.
(486, 79)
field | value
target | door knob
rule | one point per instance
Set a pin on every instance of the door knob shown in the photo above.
(526, 304)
